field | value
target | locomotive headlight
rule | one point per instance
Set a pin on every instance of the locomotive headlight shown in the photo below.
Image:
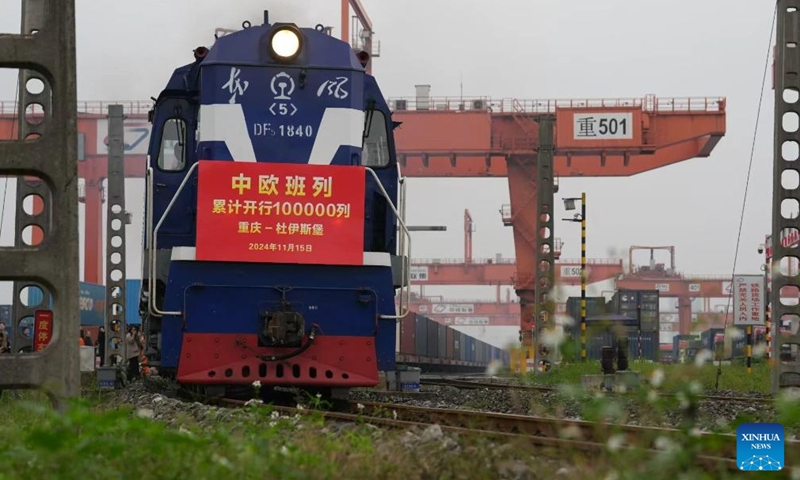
(285, 43)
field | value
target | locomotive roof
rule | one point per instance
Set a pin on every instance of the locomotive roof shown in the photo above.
(251, 47)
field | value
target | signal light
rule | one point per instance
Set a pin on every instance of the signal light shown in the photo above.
(200, 53)
(285, 43)
(363, 58)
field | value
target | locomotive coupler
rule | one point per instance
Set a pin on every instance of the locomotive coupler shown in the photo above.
(281, 328)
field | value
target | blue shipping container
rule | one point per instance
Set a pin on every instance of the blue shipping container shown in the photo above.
(132, 288)
(92, 302)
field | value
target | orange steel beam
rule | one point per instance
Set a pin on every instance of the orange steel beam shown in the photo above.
(489, 271)
(467, 312)
(438, 139)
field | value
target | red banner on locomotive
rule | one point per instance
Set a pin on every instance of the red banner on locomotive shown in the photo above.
(280, 213)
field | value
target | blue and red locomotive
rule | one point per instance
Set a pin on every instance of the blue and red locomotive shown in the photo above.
(273, 247)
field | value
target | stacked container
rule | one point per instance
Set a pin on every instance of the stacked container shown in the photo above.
(638, 304)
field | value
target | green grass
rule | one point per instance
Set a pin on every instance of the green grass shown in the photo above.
(734, 376)
(97, 439)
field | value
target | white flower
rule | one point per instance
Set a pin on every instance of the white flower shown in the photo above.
(616, 442)
(145, 413)
(394, 414)
(657, 377)
(319, 395)
(221, 460)
(257, 384)
(274, 415)
(360, 407)
(702, 357)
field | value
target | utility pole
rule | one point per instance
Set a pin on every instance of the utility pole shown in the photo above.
(787, 82)
(569, 204)
(583, 277)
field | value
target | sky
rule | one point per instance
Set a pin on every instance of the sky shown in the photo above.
(544, 49)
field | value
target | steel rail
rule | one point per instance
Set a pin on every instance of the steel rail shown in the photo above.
(468, 384)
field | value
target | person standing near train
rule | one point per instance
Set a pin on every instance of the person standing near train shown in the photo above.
(132, 344)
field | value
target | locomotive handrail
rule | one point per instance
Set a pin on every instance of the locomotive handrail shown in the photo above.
(148, 242)
(149, 238)
(405, 272)
(154, 308)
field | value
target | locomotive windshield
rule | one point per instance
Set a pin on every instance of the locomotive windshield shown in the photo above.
(376, 142)
(172, 156)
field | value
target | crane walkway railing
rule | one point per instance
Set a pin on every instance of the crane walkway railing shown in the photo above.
(649, 103)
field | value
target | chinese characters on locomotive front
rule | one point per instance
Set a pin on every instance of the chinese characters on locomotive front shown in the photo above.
(294, 186)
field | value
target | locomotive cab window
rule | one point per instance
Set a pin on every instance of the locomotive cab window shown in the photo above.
(172, 155)
(376, 140)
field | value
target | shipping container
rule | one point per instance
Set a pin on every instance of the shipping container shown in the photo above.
(132, 294)
(432, 342)
(708, 338)
(642, 305)
(398, 328)
(594, 306)
(92, 305)
(441, 351)
(739, 342)
(459, 349)
(420, 334)
(680, 345)
(407, 345)
(644, 345)
(450, 354)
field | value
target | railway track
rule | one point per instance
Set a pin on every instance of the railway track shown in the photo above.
(719, 452)
(470, 384)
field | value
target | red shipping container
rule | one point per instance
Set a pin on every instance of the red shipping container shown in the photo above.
(407, 340)
(450, 341)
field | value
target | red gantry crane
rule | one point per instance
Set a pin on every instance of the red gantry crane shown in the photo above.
(490, 271)
(481, 137)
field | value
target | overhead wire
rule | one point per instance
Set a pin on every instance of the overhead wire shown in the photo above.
(747, 182)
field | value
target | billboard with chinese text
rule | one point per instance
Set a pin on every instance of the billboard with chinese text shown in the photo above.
(748, 300)
(280, 213)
